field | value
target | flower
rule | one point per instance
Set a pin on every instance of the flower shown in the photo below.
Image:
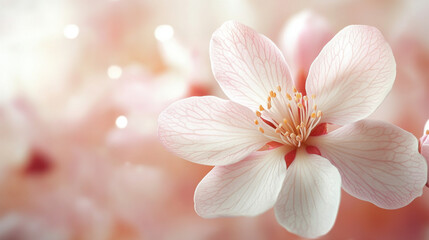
(302, 176)
(424, 144)
(301, 40)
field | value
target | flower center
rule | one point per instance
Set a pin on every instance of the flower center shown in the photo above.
(291, 116)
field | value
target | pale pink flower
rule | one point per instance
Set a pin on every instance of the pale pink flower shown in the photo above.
(303, 175)
(424, 144)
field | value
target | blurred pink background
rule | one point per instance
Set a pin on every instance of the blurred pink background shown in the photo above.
(83, 82)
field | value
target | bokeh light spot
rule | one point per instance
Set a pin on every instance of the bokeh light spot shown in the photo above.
(114, 72)
(164, 32)
(71, 31)
(121, 122)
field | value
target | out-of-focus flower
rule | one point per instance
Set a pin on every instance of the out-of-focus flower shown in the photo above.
(347, 81)
(301, 41)
(424, 144)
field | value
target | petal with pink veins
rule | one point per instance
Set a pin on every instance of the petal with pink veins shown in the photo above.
(378, 162)
(247, 65)
(309, 200)
(209, 130)
(352, 74)
(247, 188)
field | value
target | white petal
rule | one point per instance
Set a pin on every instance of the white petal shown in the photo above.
(378, 162)
(247, 65)
(246, 188)
(352, 74)
(209, 130)
(309, 200)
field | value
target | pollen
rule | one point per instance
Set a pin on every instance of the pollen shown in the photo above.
(291, 116)
(427, 132)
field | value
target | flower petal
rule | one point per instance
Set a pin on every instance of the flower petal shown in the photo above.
(247, 65)
(246, 188)
(209, 130)
(310, 196)
(378, 162)
(352, 74)
(301, 41)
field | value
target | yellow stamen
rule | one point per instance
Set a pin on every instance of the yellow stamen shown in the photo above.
(300, 105)
(272, 94)
(313, 115)
(319, 113)
(284, 121)
(315, 107)
(279, 88)
(258, 114)
(305, 98)
(299, 95)
(261, 108)
(269, 99)
(261, 129)
(288, 96)
(294, 90)
(269, 105)
(256, 121)
(313, 96)
(427, 132)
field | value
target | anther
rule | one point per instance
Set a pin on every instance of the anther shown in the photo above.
(256, 121)
(313, 115)
(258, 114)
(315, 107)
(288, 96)
(272, 94)
(261, 129)
(319, 113)
(427, 132)
(313, 96)
(284, 121)
(300, 105)
(261, 108)
(279, 88)
(269, 99)
(299, 95)
(269, 105)
(305, 98)
(294, 89)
